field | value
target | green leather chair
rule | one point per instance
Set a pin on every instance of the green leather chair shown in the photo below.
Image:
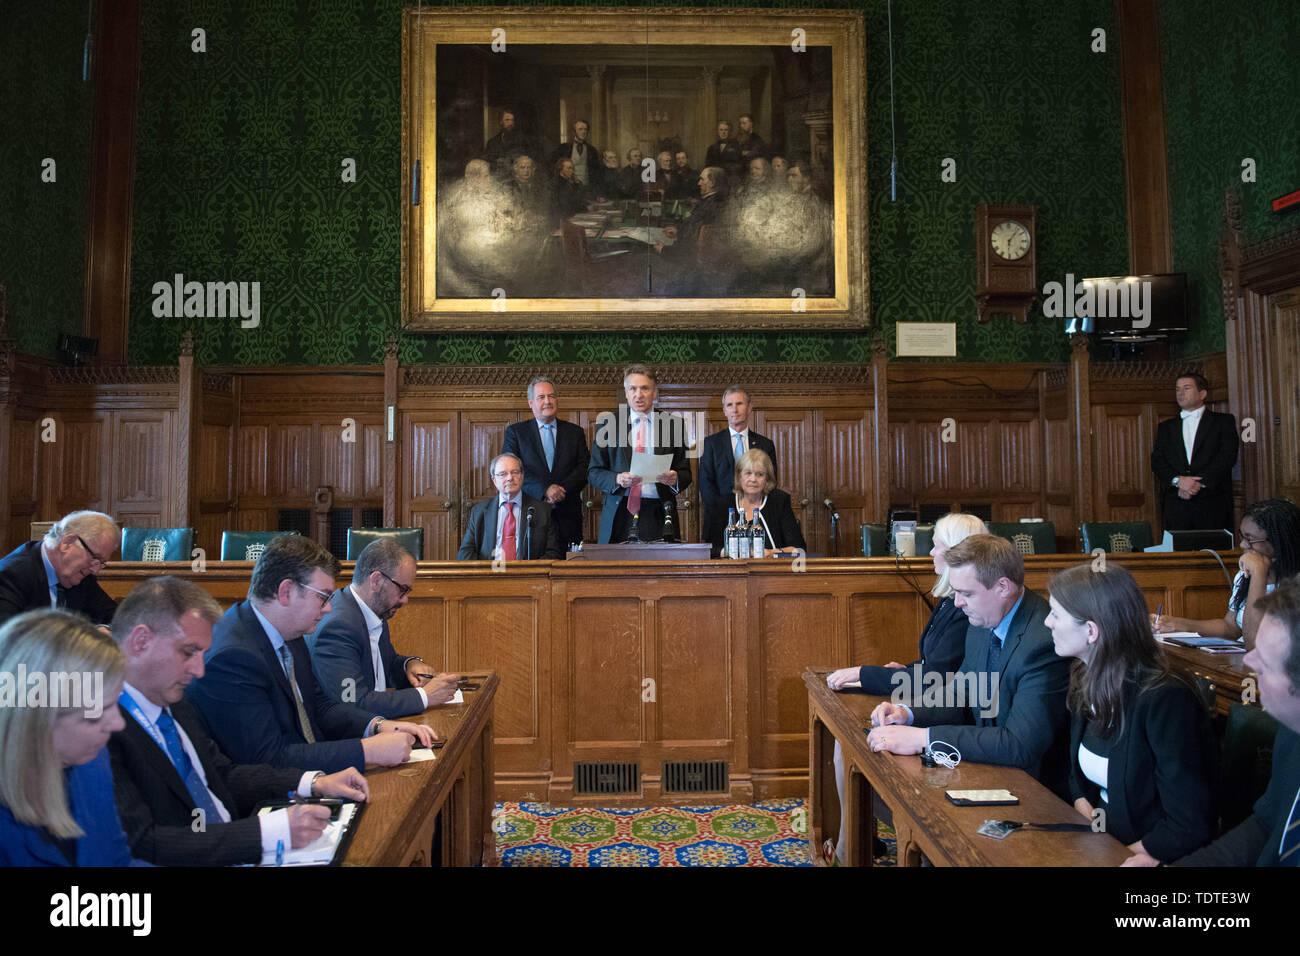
(1115, 537)
(412, 539)
(157, 544)
(875, 541)
(246, 545)
(1029, 537)
(924, 540)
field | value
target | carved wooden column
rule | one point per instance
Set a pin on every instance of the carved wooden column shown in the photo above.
(183, 508)
(392, 438)
(881, 452)
(1080, 407)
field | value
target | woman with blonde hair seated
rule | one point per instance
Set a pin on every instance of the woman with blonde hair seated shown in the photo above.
(56, 787)
(755, 497)
(942, 644)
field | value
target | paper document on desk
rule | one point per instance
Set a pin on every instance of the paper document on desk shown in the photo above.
(421, 753)
(321, 850)
(649, 466)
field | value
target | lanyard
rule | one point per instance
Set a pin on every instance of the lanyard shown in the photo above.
(129, 702)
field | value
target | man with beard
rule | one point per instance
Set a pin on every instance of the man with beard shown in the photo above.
(500, 148)
(352, 655)
(749, 143)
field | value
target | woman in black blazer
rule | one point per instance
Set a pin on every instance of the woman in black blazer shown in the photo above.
(754, 492)
(1140, 743)
(942, 644)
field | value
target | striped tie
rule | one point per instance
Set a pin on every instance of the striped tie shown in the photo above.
(286, 659)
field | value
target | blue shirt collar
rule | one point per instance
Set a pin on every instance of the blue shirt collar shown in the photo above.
(518, 499)
(51, 579)
(1004, 625)
(272, 634)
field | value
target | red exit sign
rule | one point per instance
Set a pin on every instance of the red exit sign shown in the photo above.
(1287, 201)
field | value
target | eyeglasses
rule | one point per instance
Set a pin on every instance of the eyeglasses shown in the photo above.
(402, 589)
(323, 595)
(94, 558)
(1253, 543)
(514, 473)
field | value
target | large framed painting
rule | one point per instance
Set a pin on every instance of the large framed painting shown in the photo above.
(584, 168)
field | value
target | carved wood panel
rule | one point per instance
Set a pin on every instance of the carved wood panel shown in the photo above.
(693, 686)
(428, 491)
(291, 462)
(842, 462)
(78, 478)
(1285, 333)
(141, 463)
(606, 637)
(252, 443)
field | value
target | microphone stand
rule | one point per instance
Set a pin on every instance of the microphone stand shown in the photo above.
(835, 527)
(528, 533)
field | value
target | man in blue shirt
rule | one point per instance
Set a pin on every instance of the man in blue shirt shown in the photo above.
(59, 570)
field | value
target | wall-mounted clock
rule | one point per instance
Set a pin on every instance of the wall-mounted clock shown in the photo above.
(1006, 260)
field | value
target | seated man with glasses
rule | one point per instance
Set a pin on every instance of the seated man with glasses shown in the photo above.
(59, 570)
(499, 526)
(351, 651)
(258, 694)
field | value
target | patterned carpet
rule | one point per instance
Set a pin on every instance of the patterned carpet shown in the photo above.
(768, 833)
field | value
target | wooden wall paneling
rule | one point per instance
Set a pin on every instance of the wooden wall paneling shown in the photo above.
(339, 466)
(1123, 436)
(793, 431)
(1284, 330)
(371, 464)
(1078, 380)
(1020, 456)
(252, 475)
(73, 465)
(885, 628)
(427, 490)
(140, 463)
(975, 474)
(482, 433)
(904, 464)
(291, 465)
(844, 445)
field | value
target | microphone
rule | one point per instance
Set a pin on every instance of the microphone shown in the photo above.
(835, 515)
(835, 527)
(528, 532)
(670, 509)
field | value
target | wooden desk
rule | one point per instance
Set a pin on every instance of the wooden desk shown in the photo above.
(1226, 674)
(924, 819)
(657, 664)
(397, 827)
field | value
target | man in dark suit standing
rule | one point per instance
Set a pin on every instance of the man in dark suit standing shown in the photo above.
(725, 153)
(59, 570)
(258, 695)
(499, 526)
(586, 158)
(1193, 459)
(168, 775)
(721, 449)
(351, 651)
(1006, 703)
(639, 428)
(555, 458)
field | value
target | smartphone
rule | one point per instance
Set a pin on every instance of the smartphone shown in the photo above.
(982, 798)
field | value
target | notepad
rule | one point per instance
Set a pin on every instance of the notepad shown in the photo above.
(320, 852)
(421, 753)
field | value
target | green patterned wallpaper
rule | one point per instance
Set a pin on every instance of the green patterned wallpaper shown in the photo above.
(240, 150)
(46, 112)
(1232, 91)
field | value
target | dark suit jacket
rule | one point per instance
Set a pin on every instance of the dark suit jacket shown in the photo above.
(608, 461)
(718, 470)
(1029, 730)
(1255, 841)
(481, 535)
(23, 588)
(340, 651)
(724, 153)
(247, 702)
(782, 525)
(1160, 778)
(158, 813)
(569, 472)
(1214, 453)
(90, 798)
(595, 159)
(943, 644)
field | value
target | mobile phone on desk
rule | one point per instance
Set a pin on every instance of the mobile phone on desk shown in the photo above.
(982, 798)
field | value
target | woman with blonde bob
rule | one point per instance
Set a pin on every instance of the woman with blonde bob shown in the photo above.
(1140, 743)
(56, 786)
(942, 645)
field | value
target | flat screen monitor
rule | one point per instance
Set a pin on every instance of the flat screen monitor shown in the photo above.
(1128, 307)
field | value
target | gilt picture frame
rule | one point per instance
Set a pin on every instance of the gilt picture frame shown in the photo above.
(736, 198)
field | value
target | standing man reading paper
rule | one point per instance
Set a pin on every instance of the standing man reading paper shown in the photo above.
(640, 429)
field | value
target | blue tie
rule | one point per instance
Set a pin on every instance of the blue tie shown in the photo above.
(181, 761)
(740, 445)
(1288, 853)
(548, 444)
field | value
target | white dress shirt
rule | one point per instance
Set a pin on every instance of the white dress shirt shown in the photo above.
(375, 630)
(648, 488)
(274, 825)
(1191, 420)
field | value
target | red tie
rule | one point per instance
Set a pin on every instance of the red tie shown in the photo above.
(508, 532)
(634, 493)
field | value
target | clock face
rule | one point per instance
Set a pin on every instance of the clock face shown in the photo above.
(1010, 240)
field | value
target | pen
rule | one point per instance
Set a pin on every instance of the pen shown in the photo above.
(322, 801)
(279, 853)
(427, 676)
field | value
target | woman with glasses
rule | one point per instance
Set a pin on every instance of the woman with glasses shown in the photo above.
(1141, 752)
(56, 786)
(1270, 552)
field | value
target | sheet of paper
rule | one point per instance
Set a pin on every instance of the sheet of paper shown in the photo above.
(321, 850)
(649, 466)
(421, 753)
